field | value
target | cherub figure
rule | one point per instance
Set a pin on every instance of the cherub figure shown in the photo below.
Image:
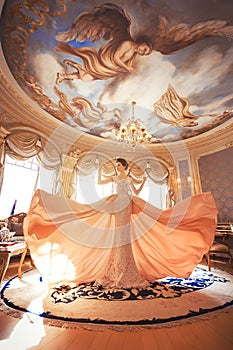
(111, 23)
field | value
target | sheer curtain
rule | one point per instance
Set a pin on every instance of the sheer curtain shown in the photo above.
(89, 191)
(46, 179)
(154, 193)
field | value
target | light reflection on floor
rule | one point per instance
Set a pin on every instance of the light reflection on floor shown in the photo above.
(27, 333)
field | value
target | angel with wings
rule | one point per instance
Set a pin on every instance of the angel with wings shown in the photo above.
(111, 23)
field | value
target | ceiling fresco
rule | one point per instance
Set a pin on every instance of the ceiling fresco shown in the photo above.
(84, 62)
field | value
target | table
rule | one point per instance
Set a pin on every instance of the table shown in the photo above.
(6, 252)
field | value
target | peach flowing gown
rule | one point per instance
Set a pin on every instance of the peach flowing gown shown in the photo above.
(120, 241)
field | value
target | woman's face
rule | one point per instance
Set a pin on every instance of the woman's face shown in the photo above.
(119, 167)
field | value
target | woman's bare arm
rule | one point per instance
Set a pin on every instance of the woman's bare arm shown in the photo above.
(105, 181)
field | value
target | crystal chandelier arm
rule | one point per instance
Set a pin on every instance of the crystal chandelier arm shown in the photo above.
(133, 132)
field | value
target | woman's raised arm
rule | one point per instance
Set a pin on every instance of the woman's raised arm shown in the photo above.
(105, 181)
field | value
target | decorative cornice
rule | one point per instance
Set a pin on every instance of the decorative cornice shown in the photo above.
(212, 141)
(16, 105)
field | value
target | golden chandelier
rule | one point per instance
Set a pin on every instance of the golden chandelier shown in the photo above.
(133, 132)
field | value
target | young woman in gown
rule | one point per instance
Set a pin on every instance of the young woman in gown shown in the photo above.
(121, 271)
(120, 241)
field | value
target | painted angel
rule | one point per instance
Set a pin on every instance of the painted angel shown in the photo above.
(111, 23)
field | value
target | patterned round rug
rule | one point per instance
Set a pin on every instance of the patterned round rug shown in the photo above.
(165, 303)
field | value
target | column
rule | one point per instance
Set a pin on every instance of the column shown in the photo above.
(3, 134)
(184, 179)
(67, 175)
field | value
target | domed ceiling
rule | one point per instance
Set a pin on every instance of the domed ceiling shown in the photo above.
(84, 62)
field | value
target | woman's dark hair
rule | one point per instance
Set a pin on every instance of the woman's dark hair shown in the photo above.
(123, 162)
(143, 39)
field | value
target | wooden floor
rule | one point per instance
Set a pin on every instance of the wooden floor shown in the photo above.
(21, 334)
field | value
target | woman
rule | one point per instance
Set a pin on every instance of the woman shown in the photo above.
(121, 271)
(120, 241)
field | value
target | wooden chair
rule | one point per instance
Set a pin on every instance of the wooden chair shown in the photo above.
(15, 224)
(221, 246)
(220, 251)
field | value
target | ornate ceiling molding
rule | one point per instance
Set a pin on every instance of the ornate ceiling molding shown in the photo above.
(214, 140)
(19, 112)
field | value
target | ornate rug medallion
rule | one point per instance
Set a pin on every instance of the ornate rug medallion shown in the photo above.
(169, 287)
(165, 303)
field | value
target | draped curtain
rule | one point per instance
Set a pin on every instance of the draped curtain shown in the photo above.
(153, 168)
(72, 169)
(87, 168)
